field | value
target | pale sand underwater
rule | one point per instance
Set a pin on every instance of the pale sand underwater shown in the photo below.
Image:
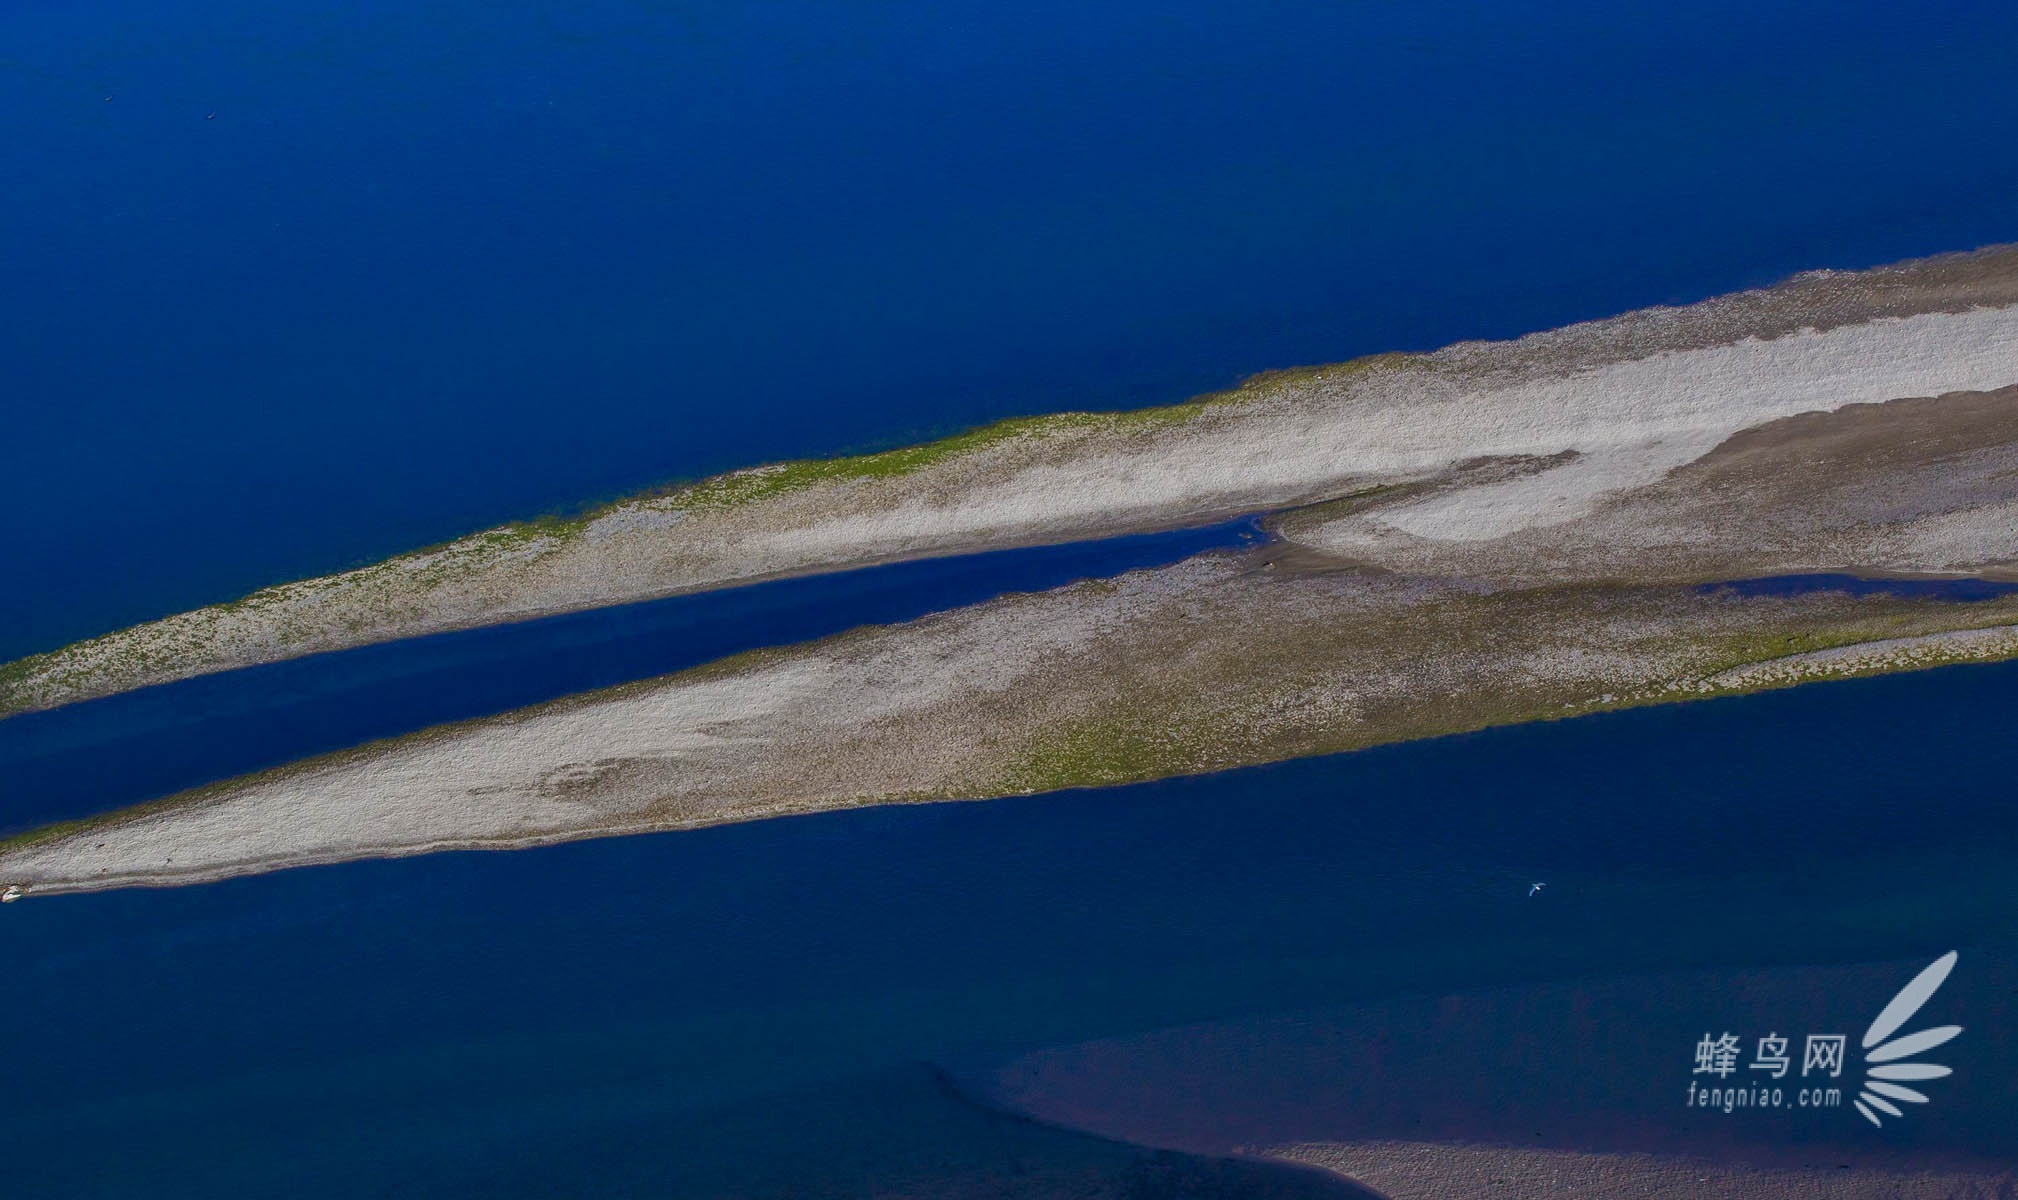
(1556, 1089)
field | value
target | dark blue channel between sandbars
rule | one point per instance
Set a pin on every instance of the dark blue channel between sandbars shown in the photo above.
(1960, 591)
(105, 754)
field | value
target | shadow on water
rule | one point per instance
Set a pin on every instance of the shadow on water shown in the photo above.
(104, 754)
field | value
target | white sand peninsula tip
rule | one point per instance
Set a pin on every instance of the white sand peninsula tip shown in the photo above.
(1593, 409)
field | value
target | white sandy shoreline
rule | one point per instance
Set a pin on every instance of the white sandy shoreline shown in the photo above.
(1613, 404)
(1493, 534)
(511, 782)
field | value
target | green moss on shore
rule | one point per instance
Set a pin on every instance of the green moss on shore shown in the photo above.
(1179, 736)
(13, 677)
(1098, 752)
(68, 672)
(762, 483)
(755, 484)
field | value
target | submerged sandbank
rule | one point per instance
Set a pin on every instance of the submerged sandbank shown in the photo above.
(1402, 1170)
(1570, 1087)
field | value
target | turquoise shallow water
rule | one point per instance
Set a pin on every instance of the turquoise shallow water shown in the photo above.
(622, 1015)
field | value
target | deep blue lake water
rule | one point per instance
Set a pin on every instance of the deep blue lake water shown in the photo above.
(106, 754)
(293, 285)
(683, 1014)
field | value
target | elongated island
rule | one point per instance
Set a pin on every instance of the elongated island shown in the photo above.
(1491, 533)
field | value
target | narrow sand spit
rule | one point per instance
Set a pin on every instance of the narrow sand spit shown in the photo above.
(1495, 533)
(1887, 654)
(1215, 662)
(1575, 417)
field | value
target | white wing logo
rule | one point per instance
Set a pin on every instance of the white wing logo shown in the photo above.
(1885, 1076)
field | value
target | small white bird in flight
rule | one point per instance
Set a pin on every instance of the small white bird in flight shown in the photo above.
(1535, 890)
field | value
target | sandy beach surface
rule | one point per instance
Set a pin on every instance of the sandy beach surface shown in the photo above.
(1502, 446)
(1487, 535)
(1213, 663)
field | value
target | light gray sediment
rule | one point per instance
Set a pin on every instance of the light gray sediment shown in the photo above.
(1487, 535)
(1595, 409)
